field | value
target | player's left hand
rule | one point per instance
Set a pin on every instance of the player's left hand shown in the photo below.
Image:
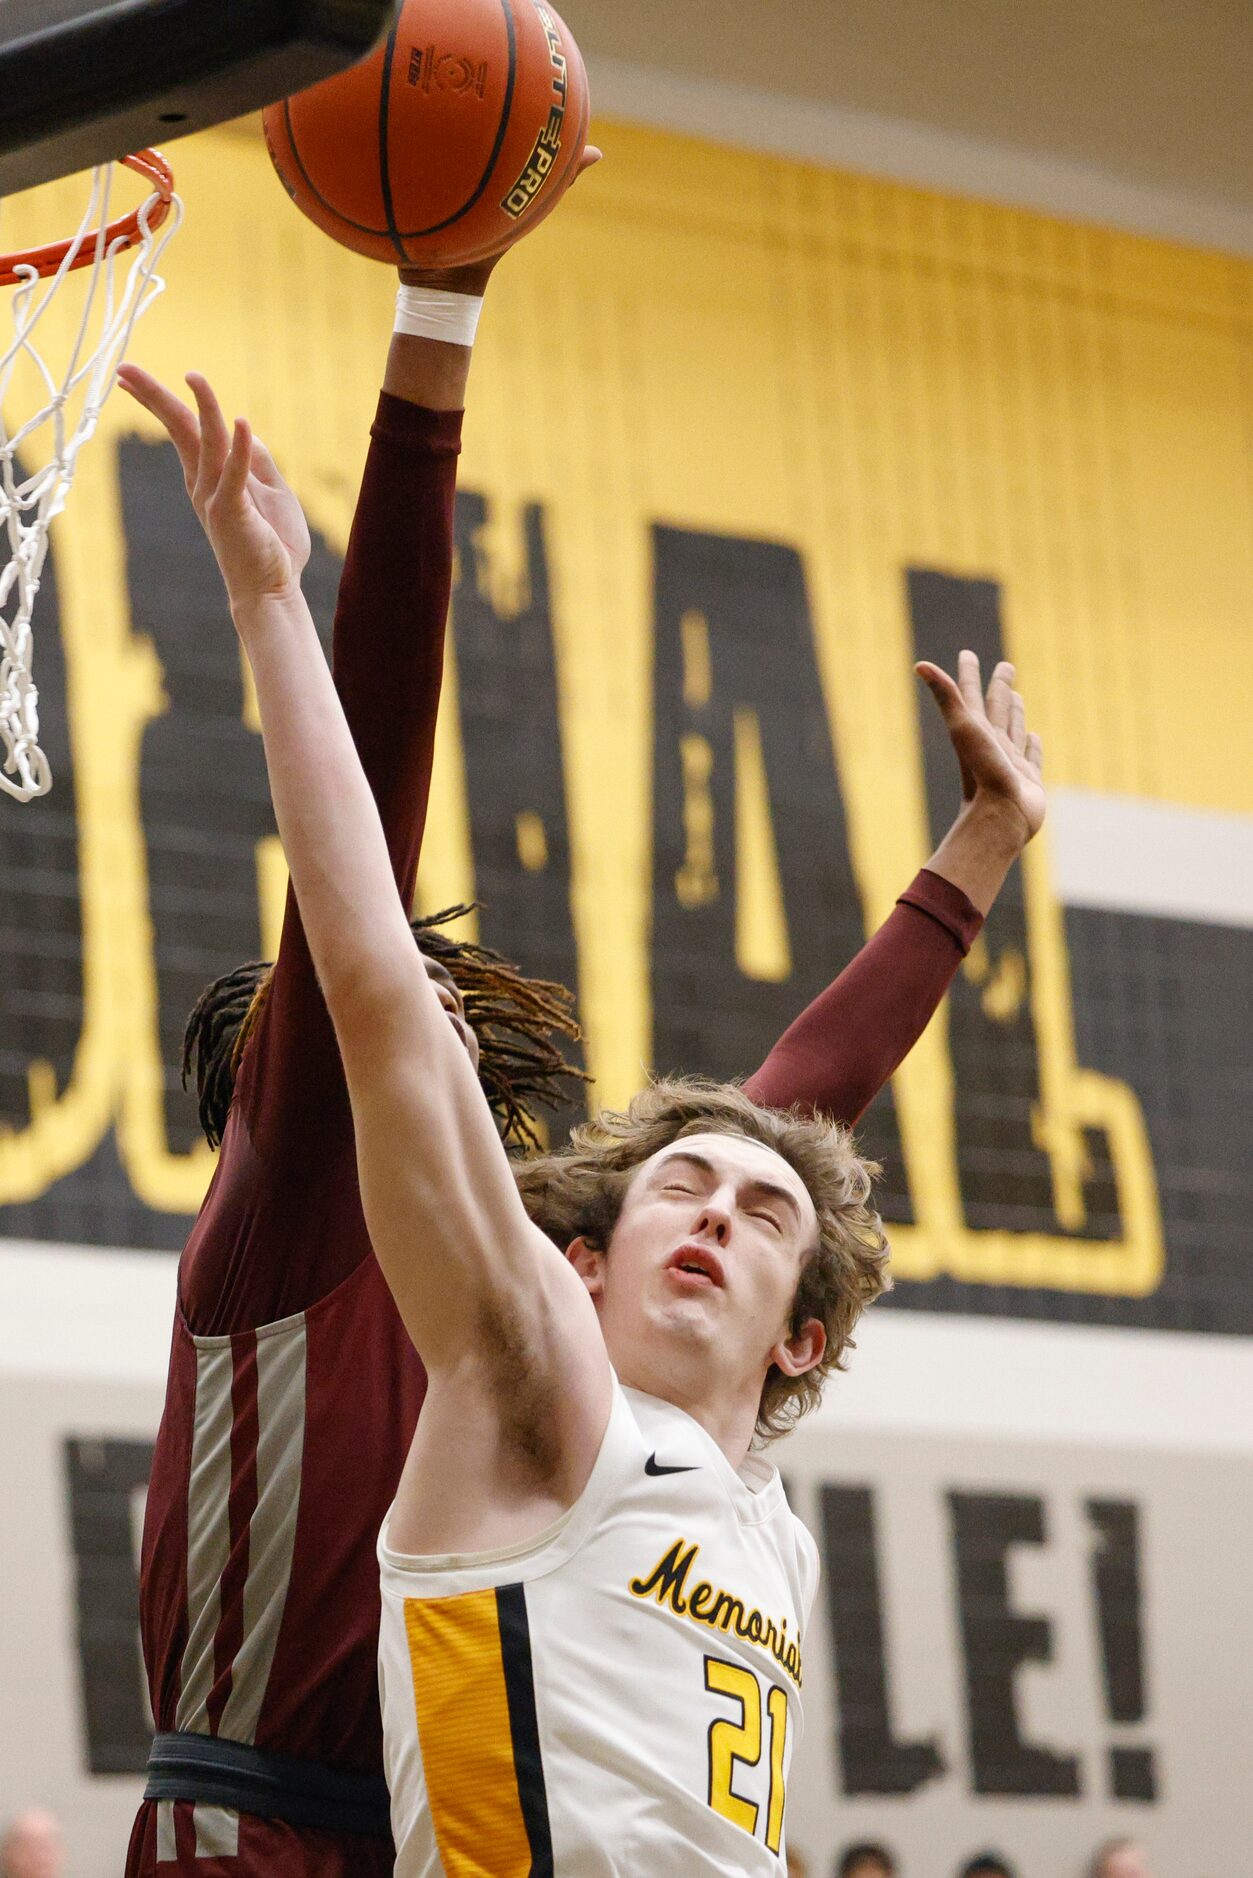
(255, 525)
(999, 758)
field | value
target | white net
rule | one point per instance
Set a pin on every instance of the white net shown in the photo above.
(114, 294)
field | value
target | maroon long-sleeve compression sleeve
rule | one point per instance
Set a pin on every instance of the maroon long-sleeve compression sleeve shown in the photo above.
(282, 1222)
(845, 1046)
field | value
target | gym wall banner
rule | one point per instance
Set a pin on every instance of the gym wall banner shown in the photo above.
(745, 438)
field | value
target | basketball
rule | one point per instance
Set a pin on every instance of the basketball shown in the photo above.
(460, 133)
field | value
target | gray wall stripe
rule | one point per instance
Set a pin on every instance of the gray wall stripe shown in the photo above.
(208, 1531)
(217, 1832)
(272, 1535)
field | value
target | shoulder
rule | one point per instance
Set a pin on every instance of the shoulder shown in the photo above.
(617, 1469)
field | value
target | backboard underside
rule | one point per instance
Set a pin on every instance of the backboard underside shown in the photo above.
(86, 81)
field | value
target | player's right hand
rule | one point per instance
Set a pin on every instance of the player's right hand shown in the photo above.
(474, 277)
(255, 525)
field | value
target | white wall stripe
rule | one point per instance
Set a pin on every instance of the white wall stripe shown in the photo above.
(86, 1311)
(1135, 856)
(843, 138)
(926, 1372)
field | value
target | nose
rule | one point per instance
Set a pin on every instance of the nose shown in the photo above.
(715, 1219)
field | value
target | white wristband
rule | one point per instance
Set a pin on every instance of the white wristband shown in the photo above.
(431, 313)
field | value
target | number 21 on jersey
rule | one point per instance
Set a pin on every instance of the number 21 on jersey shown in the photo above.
(738, 1742)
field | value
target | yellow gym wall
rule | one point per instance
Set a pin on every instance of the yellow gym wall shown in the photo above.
(881, 377)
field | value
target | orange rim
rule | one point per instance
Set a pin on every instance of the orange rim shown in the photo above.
(149, 164)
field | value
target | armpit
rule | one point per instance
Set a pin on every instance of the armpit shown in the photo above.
(523, 1390)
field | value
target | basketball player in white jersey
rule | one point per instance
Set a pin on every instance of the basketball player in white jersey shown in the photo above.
(594, 1594)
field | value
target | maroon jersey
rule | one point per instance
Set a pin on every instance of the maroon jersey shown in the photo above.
(293, 1390)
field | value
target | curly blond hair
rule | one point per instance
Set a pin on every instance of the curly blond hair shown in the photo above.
(577, 1192)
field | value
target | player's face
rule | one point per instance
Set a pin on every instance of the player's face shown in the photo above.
(707, 1252)
(454, 1004)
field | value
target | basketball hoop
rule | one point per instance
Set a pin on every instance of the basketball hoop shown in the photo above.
(74, 398)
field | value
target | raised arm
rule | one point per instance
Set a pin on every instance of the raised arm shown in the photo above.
(482, 1292)
(846, 1045)
(282, 1225)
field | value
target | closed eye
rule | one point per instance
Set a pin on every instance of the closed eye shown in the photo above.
(770, 1219)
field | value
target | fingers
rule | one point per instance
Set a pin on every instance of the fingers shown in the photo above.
(952, 703)
(970, 682)
(1001, 696)
(179, 423)
(234, 478)
(215, 439)
(1034, 751)
(589, 159)
(264, 468)
(1017, 721)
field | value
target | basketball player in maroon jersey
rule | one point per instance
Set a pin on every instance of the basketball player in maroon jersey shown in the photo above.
(293, 1390)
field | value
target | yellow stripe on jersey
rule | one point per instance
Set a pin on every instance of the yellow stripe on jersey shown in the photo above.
(465, 1735)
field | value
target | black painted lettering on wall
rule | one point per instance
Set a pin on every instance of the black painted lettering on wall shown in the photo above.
(1119, 1611)
(1006, 1182)
(103, 1481)
(41, 931)
(872, 1759)
(511, 737)
(741, 731)
(204, 795)
(996, 1641)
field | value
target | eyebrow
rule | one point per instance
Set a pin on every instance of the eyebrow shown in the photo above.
(767, 1188)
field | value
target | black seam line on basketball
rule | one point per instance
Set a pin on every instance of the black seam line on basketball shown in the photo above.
(436, 228)
(528, 1760)
(385, 175)
(362, 228)
(656, 1468)
(415, 234)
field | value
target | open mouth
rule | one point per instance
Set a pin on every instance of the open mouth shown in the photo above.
(697, 1266)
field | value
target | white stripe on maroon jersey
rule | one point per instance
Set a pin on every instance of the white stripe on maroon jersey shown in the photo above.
(167, 1842)
(217, 1832)
(281, 1358)
(281, 1352)
(208, 1527)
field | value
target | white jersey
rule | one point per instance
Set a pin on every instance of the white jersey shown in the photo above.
(622, 1696)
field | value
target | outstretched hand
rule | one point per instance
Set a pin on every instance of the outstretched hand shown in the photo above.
(999, 758)
(254, 523)
(473, 278)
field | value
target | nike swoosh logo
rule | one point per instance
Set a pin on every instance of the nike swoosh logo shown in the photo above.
(655, 1467)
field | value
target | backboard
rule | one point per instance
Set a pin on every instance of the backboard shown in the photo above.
(86, 81)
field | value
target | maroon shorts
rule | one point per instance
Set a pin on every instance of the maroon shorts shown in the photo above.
(266, 1849)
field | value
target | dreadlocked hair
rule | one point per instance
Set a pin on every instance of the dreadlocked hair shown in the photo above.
(517, 1021)
(222, 1020)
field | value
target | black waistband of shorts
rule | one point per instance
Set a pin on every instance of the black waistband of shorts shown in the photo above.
(211, 1772)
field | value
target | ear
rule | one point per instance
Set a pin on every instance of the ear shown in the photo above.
(797, 1354)
(589, 1262)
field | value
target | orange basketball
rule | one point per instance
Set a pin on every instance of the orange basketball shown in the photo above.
(460, 133)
